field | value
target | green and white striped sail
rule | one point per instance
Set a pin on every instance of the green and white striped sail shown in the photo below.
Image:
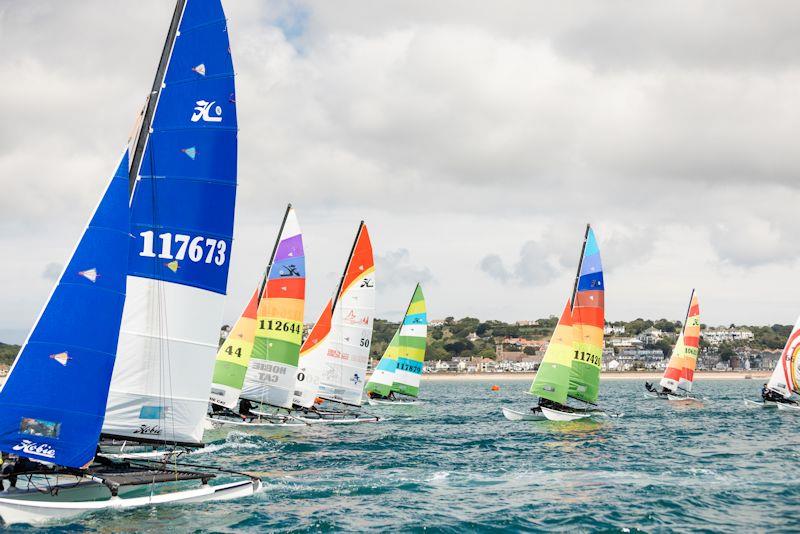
(400, 367)
(383, 377)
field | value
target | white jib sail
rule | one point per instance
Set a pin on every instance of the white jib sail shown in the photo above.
(345, 361)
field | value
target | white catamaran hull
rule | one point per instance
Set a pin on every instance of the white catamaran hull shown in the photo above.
(759, 404)
(654, 396)
(295, 422)
(34, 507)
(513, 415)
(218, 422)
(397, 402)
(785, 406)
(682, 398)
(558, 415)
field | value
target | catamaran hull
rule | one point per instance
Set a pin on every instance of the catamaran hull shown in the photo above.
(759, 404)
(216, 422)
(341, 420)
(378, 402)
(681, 398)
(788, 407)
(558, 415)
(654, 396)
(513, 415)
(33, 507)
(213, 423)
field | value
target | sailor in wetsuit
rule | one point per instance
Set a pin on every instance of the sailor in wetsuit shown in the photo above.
(649, 387)
(245, 407)
(773, 396)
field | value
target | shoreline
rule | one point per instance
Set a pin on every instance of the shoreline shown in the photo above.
(644, 375)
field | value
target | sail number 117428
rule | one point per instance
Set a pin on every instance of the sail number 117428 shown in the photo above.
(181, 246)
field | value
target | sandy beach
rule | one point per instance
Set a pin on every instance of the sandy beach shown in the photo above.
(699, 376)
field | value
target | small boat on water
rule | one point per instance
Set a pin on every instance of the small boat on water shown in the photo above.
(676, 384)
(122, 351)
(783, 383)
(333, 358)
(570, 368)
(396, 378)
(257, 363)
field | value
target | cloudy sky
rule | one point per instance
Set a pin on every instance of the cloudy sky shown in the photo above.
(476, 142)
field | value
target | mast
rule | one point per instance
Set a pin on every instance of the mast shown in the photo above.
(347, 266)
(688, 309)
(274, 250)
(580, 262)
(152, 99)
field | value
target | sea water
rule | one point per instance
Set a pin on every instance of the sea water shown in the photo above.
(454, 464)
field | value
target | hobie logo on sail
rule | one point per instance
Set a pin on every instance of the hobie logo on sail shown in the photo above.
(202, 111)
(38, 449)
(149, 430)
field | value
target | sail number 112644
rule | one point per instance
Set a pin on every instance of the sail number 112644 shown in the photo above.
(181, 246)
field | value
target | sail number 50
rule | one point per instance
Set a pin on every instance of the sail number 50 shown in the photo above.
(180, 246)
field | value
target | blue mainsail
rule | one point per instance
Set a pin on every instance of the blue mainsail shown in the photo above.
(53, 402)
(182, 225)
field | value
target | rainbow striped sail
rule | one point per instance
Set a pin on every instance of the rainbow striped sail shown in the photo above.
(588, 319)
(271, 372)
(233, 357)
(680, 368)
(552, 378)
(400, 367)
(785, 378)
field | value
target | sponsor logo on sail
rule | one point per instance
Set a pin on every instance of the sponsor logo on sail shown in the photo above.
(203, 111)
(37, 449)
(148, 430)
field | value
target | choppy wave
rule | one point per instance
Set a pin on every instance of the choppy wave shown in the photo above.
(454, 464)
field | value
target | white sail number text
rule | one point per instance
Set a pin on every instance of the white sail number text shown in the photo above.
(180, 246)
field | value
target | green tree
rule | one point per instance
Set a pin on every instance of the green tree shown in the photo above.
(726, 352)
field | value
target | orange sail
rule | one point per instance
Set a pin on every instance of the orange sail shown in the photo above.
(680, 369)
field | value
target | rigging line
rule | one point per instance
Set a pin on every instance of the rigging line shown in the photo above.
(166, 401)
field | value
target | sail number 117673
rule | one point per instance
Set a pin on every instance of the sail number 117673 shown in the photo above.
(179, 247)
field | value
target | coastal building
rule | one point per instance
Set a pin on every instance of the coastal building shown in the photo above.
(727, 335)
(650, 336)
(623, 342)
(433, 323)
(522, 342)
(614, 330)
(527, 323)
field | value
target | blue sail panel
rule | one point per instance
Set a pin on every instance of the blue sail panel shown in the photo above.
(183, 205)
(53, 402)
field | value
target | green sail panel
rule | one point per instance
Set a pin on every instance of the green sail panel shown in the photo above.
(380, 383)
(552, 378)
(233, 358)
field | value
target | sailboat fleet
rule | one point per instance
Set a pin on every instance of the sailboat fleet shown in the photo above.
(131, 324)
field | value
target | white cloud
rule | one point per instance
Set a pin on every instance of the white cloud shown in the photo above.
(457, 131)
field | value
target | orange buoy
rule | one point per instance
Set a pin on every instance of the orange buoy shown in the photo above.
(495, 388)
